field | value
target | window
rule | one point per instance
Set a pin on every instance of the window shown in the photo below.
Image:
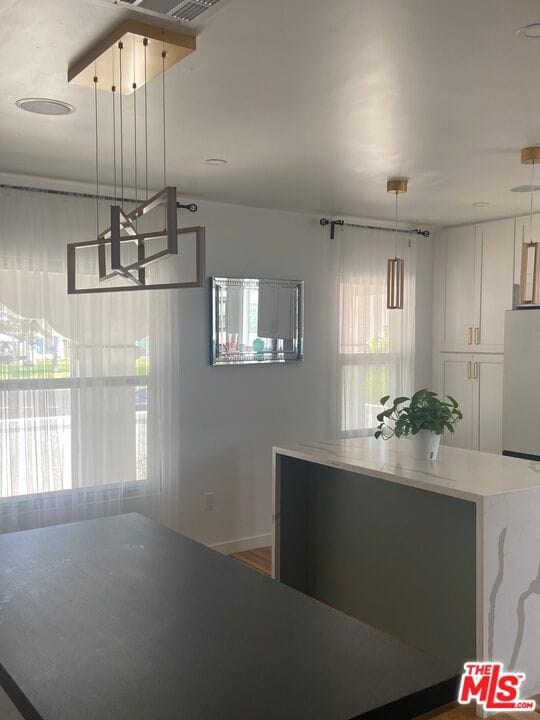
(374, 344)
(89, 411)
(368, 369)
(62, 425)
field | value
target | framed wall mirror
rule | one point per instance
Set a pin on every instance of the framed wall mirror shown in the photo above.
(256, 321)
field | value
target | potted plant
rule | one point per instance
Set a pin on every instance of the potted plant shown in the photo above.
(423, 416)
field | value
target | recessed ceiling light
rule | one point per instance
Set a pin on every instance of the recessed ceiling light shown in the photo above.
(216, 161)
(525, 188)
(481, 204)
(531, 32)
(44, 106)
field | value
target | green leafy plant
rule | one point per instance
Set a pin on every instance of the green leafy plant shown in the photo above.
(423, 411)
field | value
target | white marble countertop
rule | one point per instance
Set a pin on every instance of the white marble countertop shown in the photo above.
(460, 473)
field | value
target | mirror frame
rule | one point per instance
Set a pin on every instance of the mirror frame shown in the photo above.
(217, 283)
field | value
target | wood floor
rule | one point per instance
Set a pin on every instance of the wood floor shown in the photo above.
(260, 559)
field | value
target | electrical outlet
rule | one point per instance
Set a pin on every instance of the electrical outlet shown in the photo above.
(209, 498)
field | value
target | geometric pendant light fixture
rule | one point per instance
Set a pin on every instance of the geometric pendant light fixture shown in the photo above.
(395, 274)
(123, 65)
(530, 250)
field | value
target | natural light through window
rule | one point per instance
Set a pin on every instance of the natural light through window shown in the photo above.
(366, 364)
(375, 344)
(48, 438)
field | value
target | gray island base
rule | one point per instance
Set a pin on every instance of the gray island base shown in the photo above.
(443, 555)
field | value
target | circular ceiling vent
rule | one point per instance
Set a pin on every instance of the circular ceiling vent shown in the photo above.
(44, 106)
(531, 32)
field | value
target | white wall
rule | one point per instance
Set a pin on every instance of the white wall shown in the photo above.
(232, 416)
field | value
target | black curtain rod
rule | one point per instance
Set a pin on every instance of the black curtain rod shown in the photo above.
(324, 222)
(90, 196)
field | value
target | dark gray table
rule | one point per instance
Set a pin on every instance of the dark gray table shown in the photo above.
(120, 618)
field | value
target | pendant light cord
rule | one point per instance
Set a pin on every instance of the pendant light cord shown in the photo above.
(163, 56)
(97, 152)
(145, 44)
(396, 224)
(532, 203)
(134, 86)
(135, 144)
(113, 90)
(120, 48)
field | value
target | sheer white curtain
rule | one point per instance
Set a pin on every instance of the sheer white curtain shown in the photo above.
(375, 345)
(88, 383)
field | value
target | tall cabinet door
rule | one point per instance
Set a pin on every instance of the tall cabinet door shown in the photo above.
(456, 373)
(458, 305)
(488, 403)
(495, 260)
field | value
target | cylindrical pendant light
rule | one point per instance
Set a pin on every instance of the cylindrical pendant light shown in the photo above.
(395, 274)
(530, 253)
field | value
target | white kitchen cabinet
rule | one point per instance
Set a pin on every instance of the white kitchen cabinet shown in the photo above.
(458, 296)
(456, 379)
(478, 277)
(488, 403)
(476, 382)
(494, 283)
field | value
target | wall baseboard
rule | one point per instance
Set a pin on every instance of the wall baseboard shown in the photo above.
(246, 543)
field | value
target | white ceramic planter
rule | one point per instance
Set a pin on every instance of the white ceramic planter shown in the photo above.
(425, 445)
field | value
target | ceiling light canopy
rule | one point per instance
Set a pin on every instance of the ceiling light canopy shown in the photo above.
(530, 155)
(397, 185)
(45, 106)
(142, 58)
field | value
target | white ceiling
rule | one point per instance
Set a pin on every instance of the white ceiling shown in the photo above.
(313, 102)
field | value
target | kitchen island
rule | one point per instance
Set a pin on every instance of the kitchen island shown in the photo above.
(444, 555)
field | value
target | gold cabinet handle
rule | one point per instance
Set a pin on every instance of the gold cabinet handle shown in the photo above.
(477, 336)
(469, 338)
(476, 370)
(469, 370)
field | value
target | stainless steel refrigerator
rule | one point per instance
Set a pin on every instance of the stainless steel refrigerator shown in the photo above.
(521, 403)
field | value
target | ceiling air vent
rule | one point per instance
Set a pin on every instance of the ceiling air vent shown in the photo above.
(188, 11)
(185, 11)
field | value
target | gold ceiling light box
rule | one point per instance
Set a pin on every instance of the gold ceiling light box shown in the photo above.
(530, 251)
(103, 59)
(397, 186)
(122, 65)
